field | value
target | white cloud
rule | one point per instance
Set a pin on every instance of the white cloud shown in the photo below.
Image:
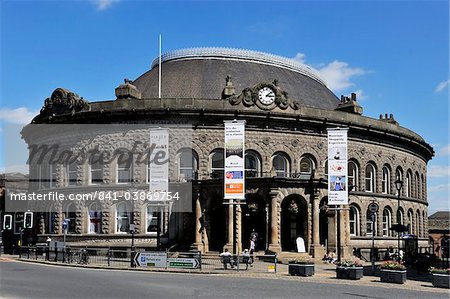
(360, 94)
(444, 151)
(435, 171)
(441, 86)
(104, 4)
(300, 57)
(338, 75)
(19, 115)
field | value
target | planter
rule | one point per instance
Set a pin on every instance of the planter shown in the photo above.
(393, 276)
(301, 269)
(441, 280)
(354, 273)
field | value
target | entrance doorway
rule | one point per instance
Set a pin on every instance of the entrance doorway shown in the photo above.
(323, 223)
(254, 218)
(294, 217)
(216, 223)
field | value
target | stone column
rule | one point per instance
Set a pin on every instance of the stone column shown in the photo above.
(198, 245)
(317, 250)
(238, 230)
(274, 245)
(230, 234)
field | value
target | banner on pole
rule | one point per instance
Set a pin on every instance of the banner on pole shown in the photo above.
(159, 166)
(234, 174)
(337, 167)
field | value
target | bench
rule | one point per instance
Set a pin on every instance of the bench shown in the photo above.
(231, 260)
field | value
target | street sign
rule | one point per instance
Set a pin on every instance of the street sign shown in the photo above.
(186, 263)
(373, 207)
(151, 259)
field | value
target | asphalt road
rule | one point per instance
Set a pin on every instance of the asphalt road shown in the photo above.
(27, 280)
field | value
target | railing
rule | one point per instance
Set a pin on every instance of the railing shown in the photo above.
(110, 257)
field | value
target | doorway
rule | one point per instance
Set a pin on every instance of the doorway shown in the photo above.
(294, 217)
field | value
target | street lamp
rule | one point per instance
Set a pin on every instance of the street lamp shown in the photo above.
(398, 186)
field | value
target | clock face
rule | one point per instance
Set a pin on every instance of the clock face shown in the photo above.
(266, 95)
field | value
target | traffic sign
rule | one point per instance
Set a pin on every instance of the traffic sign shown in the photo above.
(373, 207)
(186, 263)
(151, 259)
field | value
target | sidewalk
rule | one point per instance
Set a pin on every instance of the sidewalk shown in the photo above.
(324, 274)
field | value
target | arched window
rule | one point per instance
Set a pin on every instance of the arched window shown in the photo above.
(399, 176)
(410, 221)
(96, 173)
(422, 188)
(46, 175)
(352, 175)
(370, 178)
(95, 218)
(52, 178)
(71, 174)
(424, 223)
(124, 166)
(280, 163)
(155, 215)
(386, 222)
(407, 185)
(371, 223)
(399, 219)
(51, 218)
(187, 162)
(123, 217)
(71, 215)
(417, 232)
(252, 164)
(306, 167)
(216, 163)
(354, 221)
(417, 186)
(386, 180)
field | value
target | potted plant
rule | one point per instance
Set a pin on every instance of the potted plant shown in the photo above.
(349, 269)
(301, 267)
(392, 271)
(441, 277)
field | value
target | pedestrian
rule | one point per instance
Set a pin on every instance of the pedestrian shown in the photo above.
(246, 258)
(252, 248)
(254, 237)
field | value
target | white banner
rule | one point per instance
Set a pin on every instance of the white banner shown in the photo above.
(159, 161)
(234, 160)
(337, 167)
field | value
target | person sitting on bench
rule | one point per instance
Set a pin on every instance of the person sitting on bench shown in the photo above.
(226, 259)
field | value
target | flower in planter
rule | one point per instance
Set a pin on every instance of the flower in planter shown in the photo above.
(392, 265)
(434, 270)
(350, 263)
(293, 207)
(302, 261)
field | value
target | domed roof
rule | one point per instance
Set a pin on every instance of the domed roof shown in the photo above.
(202, 72)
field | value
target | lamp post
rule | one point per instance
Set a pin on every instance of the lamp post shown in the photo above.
(398, 186)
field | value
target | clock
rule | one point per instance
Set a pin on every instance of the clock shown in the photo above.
(266, 95)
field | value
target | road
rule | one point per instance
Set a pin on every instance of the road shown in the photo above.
(27, 280)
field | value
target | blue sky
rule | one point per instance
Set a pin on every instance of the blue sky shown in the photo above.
(395, 55)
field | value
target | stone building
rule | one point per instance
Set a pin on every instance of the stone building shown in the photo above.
(439, 233)
(286, 158)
